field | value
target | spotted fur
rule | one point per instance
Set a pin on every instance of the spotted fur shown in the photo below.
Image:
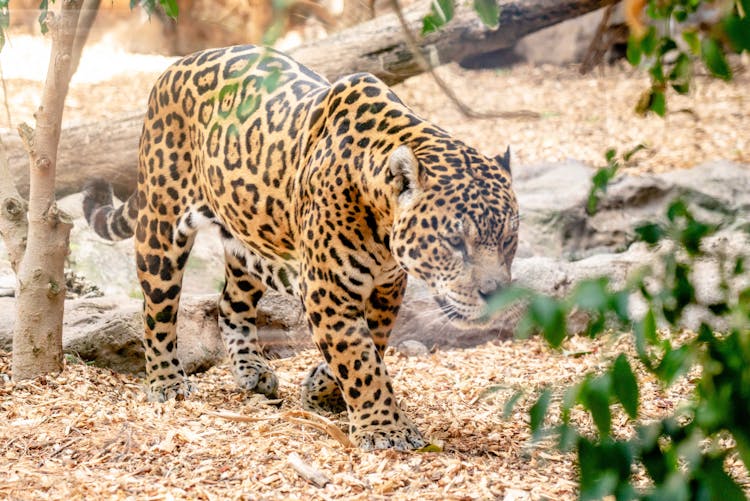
(329, 191)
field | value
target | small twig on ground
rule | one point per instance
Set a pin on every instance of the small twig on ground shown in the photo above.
(240, 418)
(319, 423)
(428, 67)
(304, 470)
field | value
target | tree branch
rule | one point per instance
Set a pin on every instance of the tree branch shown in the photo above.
(447, 90)
(387, 54)
(13, 225)
(89, 11)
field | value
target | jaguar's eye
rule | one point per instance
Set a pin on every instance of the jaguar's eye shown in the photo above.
(455, 241)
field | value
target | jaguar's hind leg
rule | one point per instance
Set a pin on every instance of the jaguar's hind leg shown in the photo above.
(237, 317)
(320, 392)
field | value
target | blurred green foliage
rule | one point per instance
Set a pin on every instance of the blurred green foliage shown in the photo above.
(682, 453)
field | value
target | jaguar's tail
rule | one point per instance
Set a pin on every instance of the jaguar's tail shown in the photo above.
(106, 220)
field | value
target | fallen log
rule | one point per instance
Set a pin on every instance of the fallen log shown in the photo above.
(109, 149)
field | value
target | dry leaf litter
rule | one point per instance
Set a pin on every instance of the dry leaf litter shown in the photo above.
(89, 433)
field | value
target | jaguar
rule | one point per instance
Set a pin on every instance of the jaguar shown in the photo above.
(333, 192)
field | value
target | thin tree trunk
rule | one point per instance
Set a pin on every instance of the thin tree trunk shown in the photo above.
(37, 339)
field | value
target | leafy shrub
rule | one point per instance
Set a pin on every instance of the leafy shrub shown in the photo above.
(681, 32)
(684, 452)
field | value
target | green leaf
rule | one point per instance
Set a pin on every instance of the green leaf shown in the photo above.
(592, 295)
(625, 385)
(507, 297)
(674, 363)
(549, 315)
(656, 463)
(634, 51)
(666, 45)
(738, 32)
(4, 14)
(4, 21)
(619, 303)
(677, 209)
(657, 73)
(681, 73)
(650, 233)
(274, 31)
(538, 411)
(431, 23)
(597, 478)
(43, 8)
(170, 8)
(595, 395)
(629, 154)
(441, 11)
(148, 6)
(674, 488)
(717, 482)
(567, 437)
(713, 56)
(511, 403)
(649, 41)
(488, 11)
(644, 332)
(693, 41)
(739, 266)
(658, 102)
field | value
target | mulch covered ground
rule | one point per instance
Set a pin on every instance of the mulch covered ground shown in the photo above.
(89, 433)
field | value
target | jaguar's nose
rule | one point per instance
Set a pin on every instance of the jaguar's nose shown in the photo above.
(488, 287)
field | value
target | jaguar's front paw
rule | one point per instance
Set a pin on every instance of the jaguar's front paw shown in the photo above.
(320, 393)
(178, 390)
(402, 437)
(254, 374)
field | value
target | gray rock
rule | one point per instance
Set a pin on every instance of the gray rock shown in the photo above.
(412, 348)
(554, 221)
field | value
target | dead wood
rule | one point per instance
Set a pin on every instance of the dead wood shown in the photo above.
(109, 149)
(381, 48)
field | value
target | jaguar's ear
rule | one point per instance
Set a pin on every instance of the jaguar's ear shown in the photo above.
(404, 167)
(504, 161)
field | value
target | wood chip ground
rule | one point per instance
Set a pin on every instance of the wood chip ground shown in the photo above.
(89, 433)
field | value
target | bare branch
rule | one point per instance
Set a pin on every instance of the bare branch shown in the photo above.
(88, 15)
(13, 225)
(427, 66)
(595, 51)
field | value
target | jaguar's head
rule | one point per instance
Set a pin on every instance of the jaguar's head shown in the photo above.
(456, 226)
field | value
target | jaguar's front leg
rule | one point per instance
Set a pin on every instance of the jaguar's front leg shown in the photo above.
(340, 330)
